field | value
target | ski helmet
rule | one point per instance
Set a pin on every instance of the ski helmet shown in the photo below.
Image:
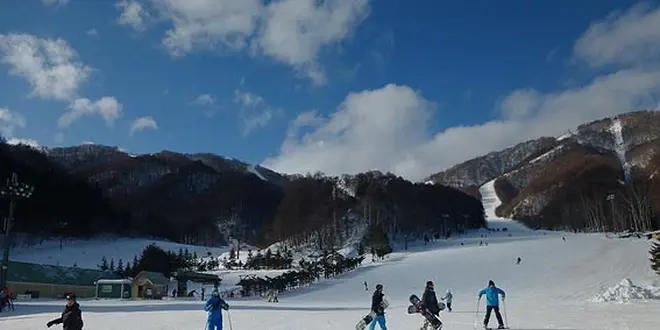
(491, 283)
(379, 286)
(429, 284)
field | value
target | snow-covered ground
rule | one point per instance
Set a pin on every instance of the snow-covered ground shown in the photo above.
(88, 253)
(571, 284)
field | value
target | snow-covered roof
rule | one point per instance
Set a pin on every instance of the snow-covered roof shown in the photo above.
(121, 281)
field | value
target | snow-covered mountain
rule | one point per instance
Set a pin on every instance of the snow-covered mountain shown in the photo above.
(533, 176)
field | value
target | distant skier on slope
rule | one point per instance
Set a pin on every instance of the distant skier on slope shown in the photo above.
(492, 303)
(213, 306)
(518, 261)
(448, 297)
(366, 287)
(377, 307)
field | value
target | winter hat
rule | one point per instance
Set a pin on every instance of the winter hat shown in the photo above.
(71, 296)
(429, 283)
(491, 283)
(379, 286)
(215, 293)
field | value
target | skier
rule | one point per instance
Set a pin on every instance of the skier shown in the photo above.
(518, 261)
(492, 303)
(448, 297)
(71, 318)
(377, 307)
(366, 287)
(430, 302)
(213, 306)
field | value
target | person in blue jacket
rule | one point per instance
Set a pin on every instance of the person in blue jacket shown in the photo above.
(493, 303)
(214, 307)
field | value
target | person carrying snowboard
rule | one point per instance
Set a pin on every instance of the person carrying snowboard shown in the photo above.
(71, 318)
(213, 306)
(448, 297)
(492, 303)
(377, 307)
(430, 302)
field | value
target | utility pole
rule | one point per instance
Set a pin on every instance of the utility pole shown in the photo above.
(610, 198)
(13, 191)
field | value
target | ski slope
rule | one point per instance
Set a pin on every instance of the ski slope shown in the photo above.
(552, 288)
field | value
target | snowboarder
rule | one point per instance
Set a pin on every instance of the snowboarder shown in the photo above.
(430, 302)
(71, 318)
(448, 297)
(213, 307)
(377, 307)
(518, 261)
(492, 303)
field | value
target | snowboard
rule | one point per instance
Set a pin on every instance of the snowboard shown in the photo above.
(413, 310)
(370, 317)
(417, 304)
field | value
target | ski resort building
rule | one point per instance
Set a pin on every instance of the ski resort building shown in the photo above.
(113, 289)
(47, 281)
(150, 285)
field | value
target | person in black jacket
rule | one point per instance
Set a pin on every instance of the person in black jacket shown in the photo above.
(378, 307)
(429, 300)
(71, 318)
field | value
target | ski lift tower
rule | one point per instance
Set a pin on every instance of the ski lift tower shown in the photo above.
(13, 191)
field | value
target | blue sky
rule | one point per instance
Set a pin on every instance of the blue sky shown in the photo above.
(410, 87)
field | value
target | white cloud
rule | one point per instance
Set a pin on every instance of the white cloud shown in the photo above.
(55, 72)
(204, 100)
(28, 142)
(254, 113)
(520, 103)
(54, 2)
(293, 32)
(627, 37)
(50, 66)
(143, 123)
(107, 107)
(370, 129)
(9, 121)
(132, 14)
(91, 32)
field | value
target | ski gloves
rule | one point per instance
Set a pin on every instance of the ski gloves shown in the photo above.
(50, 324)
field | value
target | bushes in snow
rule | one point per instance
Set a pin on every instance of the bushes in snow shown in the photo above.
(655, 257)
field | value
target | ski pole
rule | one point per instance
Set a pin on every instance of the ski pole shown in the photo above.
(229, 319)
(476, 313)
(506, 322)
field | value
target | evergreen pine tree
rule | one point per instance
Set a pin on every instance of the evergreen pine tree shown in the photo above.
(112, 265)
(135, 265)
(128, 270)
(655, 257)
(120, 266)
(104, 264)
